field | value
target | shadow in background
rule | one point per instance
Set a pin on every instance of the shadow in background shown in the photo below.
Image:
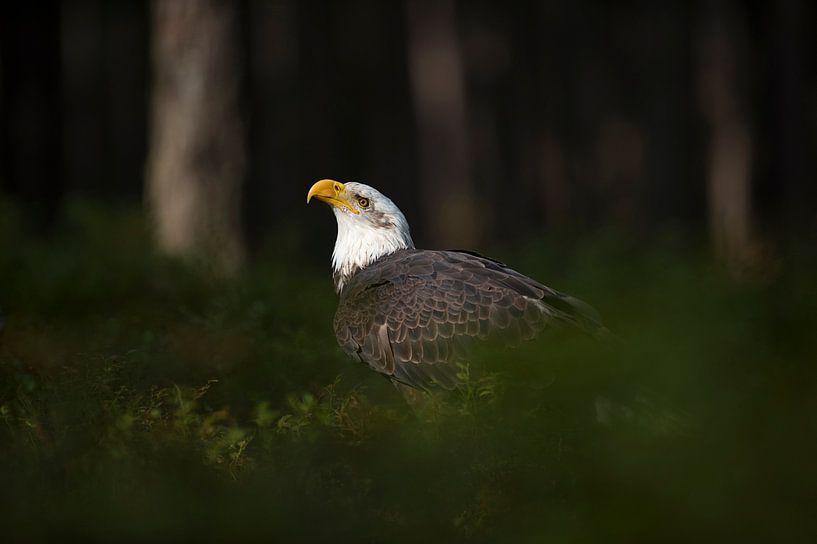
(485, 122)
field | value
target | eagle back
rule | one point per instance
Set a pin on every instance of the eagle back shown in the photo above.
(412, 314)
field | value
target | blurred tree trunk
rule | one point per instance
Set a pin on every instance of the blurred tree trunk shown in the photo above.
(197, 158)
(437, 81)
(273, 90)
(729, 153)
(31, 111)
(793, 135)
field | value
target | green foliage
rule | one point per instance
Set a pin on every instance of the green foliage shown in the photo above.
(141, 399)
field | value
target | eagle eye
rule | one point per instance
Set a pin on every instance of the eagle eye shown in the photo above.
(363, 202)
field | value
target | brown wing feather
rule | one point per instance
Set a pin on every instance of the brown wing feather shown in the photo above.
(411, 314)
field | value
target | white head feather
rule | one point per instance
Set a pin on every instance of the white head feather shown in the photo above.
(377, 230)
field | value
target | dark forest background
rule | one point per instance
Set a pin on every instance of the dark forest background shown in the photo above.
(168, 369)
(485, 121)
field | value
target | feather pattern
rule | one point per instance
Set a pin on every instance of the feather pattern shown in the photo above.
(410, 313)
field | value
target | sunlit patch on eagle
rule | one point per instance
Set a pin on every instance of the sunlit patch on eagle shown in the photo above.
(412, 313)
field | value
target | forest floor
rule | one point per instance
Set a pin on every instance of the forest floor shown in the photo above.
(142, 399)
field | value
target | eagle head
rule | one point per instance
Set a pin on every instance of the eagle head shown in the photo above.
(370, 226)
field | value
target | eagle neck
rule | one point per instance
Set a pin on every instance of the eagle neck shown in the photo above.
(360, 245)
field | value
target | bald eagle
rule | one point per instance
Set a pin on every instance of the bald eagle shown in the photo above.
(411, 314)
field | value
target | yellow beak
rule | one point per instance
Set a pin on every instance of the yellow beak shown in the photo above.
(333, 193)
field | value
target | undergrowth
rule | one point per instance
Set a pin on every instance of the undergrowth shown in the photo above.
(141, 399)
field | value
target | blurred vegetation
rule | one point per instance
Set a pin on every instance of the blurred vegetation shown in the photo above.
(141, 398)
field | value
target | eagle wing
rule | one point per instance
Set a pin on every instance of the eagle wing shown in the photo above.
(412, 314)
